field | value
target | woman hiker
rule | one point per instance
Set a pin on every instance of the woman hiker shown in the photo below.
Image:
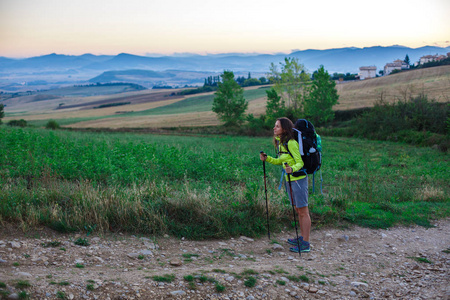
(283, 135)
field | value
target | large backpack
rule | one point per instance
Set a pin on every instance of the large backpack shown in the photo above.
(310, 147)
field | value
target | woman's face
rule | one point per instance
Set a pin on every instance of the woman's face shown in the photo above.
(277, 130)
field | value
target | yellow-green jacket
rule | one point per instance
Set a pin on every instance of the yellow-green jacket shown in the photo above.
(295, 163)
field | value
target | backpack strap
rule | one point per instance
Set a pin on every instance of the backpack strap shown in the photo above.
(300, 142)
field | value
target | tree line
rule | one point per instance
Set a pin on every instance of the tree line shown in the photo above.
(295, 94)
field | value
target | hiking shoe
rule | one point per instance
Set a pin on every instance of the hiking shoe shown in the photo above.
(294, 241)
(304, 246)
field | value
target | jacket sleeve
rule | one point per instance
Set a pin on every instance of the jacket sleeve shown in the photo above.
(294, 149)
(273, 161)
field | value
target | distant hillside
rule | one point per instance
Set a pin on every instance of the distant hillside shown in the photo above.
(334, 60)
(130, 75)
(58, 69)
(433, 82)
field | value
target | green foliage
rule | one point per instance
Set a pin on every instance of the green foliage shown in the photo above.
(345, 77)
(52, 124)
(164, 278)
(219, 287)
(250, 282)
(203, 89)
(290, 83)
(112, 104)
(82, 242)
(322, 96)
(23, 295)
(23, 284)
(192, 187)
(229, 102)
(51, 244)
(275, 107)
(2, 285)
(61, 295)
(304, 278)
(418, 121)
(2, 113)
(17, 123)
(420, 259)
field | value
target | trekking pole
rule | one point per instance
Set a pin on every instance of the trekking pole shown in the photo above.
(265, 189)
(293, 211)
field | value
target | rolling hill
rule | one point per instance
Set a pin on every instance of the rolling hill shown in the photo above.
(158, 108)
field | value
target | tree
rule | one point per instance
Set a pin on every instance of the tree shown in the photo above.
(290, 82)
(406, 60)
(229, 102)
(275, 107)
(2, 113)
(321, 98)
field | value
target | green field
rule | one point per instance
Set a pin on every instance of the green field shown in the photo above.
(194, 104)
(91, 90)
(206, 187)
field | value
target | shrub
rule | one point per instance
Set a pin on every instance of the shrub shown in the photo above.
(17, 123)
(52, 124)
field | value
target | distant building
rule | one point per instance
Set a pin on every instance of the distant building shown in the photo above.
(367, 72)
(429, 58)
(396, 65)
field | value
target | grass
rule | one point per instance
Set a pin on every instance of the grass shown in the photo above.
(51, 244)
(281, 282)
(23, 284)
(250, 281)
(304, 278)
(61, 295)
(81, 242)
(191, 187)
(193, 104)
(164, 278)
(421, 259)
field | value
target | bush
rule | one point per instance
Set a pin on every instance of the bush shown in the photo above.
(52, 124)
(17, 123)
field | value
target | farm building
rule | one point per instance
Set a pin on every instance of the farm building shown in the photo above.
(367, 72)
(429, 58)
(396, 65)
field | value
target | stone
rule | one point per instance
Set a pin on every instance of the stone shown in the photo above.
(24, 274)
(343, 238)
(313, 290)
(277, 247)
(176, 262)
(357, 284)
(15, 244)
(133, 255)
(13, 296)
(146, 252)
(178, 293)
(247, 239)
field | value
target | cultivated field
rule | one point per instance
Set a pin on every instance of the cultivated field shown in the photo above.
(159, 108)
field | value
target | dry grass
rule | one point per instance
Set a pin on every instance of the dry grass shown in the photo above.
(433, 82)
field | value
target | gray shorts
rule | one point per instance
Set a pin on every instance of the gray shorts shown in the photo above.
(300, 191)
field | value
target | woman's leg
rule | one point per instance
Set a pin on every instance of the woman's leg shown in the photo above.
(304, 221)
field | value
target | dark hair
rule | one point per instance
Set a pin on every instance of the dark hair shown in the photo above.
(287, 126)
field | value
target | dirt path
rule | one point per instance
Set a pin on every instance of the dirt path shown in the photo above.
(400, 263)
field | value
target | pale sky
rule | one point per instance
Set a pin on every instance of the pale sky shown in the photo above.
(39, 27)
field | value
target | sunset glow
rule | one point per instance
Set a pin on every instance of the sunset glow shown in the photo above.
(38, 27)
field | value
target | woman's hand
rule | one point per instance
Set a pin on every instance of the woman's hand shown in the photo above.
(288, 169)
(262, 156)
